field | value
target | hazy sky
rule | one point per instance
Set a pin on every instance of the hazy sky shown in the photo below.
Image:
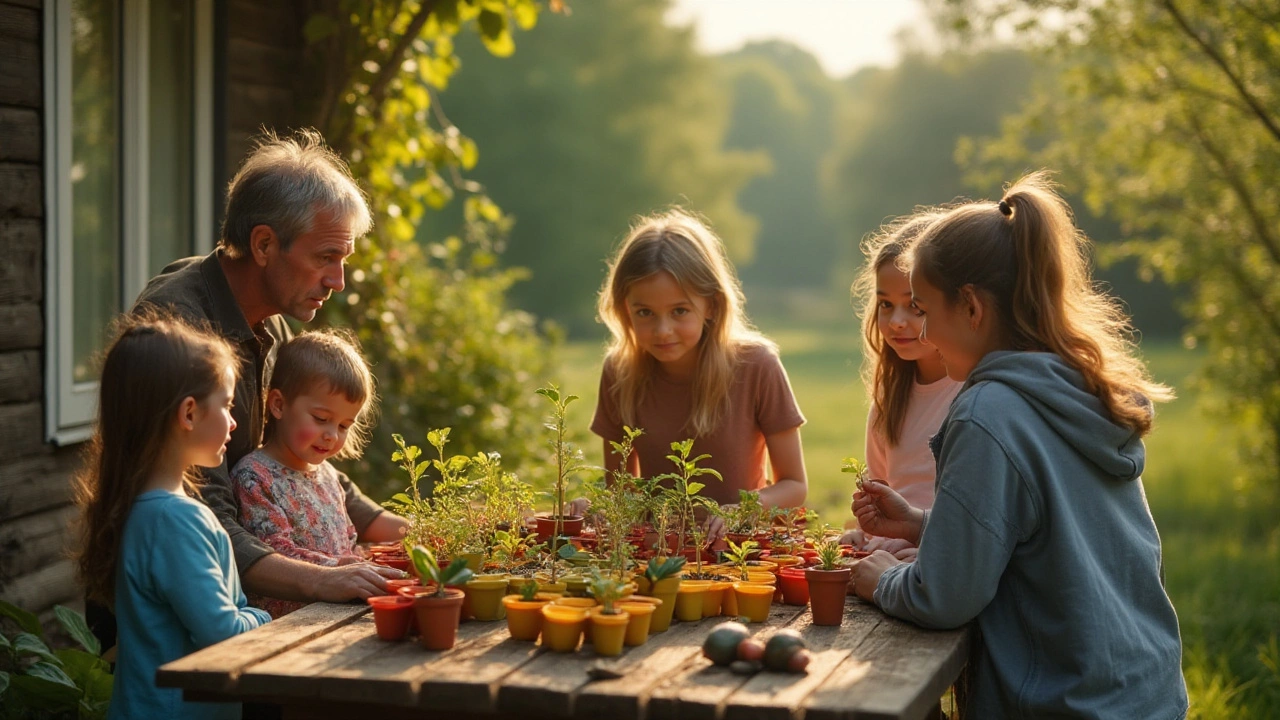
(844, 34)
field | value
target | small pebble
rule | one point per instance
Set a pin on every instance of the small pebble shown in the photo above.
(744, 667)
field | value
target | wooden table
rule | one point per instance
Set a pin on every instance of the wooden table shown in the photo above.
(325, 661)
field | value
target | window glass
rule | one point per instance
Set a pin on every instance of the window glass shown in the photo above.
(171, 126)
(94, 175)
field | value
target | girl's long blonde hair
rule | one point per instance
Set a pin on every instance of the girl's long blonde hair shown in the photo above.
(155, 363)
(678, 243)
(1028, 255)
(888, 378)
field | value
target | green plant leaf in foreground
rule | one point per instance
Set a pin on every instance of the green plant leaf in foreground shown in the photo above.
(75, 625)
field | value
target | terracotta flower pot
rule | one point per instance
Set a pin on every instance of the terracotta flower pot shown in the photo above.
(608, 631)
(640, 615)
(570, 525)
(794, 586)
(484, 597)
(391, 615)
(438, 618)
(524, 617)
(666, 590)
(562, 627)
(827, 589)
(689, 599)
(753, 600)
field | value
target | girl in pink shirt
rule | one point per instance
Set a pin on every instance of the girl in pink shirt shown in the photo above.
(685, 362)
(905, 377)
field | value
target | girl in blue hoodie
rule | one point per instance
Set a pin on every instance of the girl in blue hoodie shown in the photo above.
(1040, 532)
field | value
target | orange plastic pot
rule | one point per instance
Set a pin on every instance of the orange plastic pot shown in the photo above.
(827, 590)
(608, 631)
(713, 600)
(524, 617)
(689, 599)
(562, 627)
(753, 600)
(640, 614)
(438, 618)
(391, 615)
(794, 586)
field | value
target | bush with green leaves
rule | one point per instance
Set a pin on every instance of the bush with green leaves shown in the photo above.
(39, 682)
(684, 494)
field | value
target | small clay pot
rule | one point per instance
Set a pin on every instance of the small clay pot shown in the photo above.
(391, 615)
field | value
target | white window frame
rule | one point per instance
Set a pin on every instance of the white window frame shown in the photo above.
(70, 405)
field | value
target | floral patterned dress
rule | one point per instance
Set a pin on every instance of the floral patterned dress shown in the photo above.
(301, 515)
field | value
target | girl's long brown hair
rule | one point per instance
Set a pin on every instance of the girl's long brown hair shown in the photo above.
(888, 378)
(681, 244)
(1028, 255)
(154, 363)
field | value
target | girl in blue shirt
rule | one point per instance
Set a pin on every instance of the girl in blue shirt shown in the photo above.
(148, 547)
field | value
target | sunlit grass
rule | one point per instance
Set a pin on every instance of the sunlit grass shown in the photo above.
(1221, 548)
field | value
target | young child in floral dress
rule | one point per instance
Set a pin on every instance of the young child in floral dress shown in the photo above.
(319, 403)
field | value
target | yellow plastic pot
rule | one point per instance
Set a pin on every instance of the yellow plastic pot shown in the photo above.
(608, 631)
(689, 599)
(753, 600)
(475, 561)
(763, 578)
(640, 614)
(665, 590)
(524, 617)
(484, 597)
(713, 601)
(562, 627)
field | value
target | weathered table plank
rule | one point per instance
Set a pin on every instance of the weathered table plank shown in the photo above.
(217, 668)
(325, 661)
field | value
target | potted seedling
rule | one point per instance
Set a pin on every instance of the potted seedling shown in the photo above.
(438, 608)
(524, 610)
(684, 494)
(569, 461)
(618, 504)
(663, 580)
(608, 622)
(828, 584)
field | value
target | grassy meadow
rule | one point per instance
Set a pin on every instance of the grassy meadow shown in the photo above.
(1221, 549)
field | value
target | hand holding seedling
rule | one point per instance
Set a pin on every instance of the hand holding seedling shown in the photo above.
(882, 511)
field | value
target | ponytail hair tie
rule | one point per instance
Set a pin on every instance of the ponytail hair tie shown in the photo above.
(1005, 209)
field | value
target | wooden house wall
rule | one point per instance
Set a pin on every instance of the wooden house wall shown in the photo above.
(262, 46)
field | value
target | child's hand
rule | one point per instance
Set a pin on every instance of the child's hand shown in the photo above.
(867, 572)
(715, 529)
(854, 537)
(882, 511)
(578, 506)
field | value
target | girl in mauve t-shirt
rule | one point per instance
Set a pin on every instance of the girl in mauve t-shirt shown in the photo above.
(685, 362)
(905, 376)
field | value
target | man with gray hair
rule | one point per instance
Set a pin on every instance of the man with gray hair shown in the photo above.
(293, 215)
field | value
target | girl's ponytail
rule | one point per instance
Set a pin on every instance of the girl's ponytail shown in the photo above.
(1027, 254)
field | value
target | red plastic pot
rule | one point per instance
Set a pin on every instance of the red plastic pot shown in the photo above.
(391, 615)
(570, 525)
(794, 586)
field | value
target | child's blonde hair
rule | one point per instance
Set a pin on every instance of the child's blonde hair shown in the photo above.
(678, 243)
(331, 358)
(887, 376)
(155, 362)
(1026, 253)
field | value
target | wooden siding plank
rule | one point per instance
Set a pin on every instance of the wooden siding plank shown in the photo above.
(22, 263)
(21, 187)
(35, 484)
(37, 591)
(218, 668)
(21, 377)
(21, 82)
(19, 23)
(21, 430)
(21, 328)
(35, 4)
(21, 137)
(249, 107)
(35, 541)
(259, 63)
